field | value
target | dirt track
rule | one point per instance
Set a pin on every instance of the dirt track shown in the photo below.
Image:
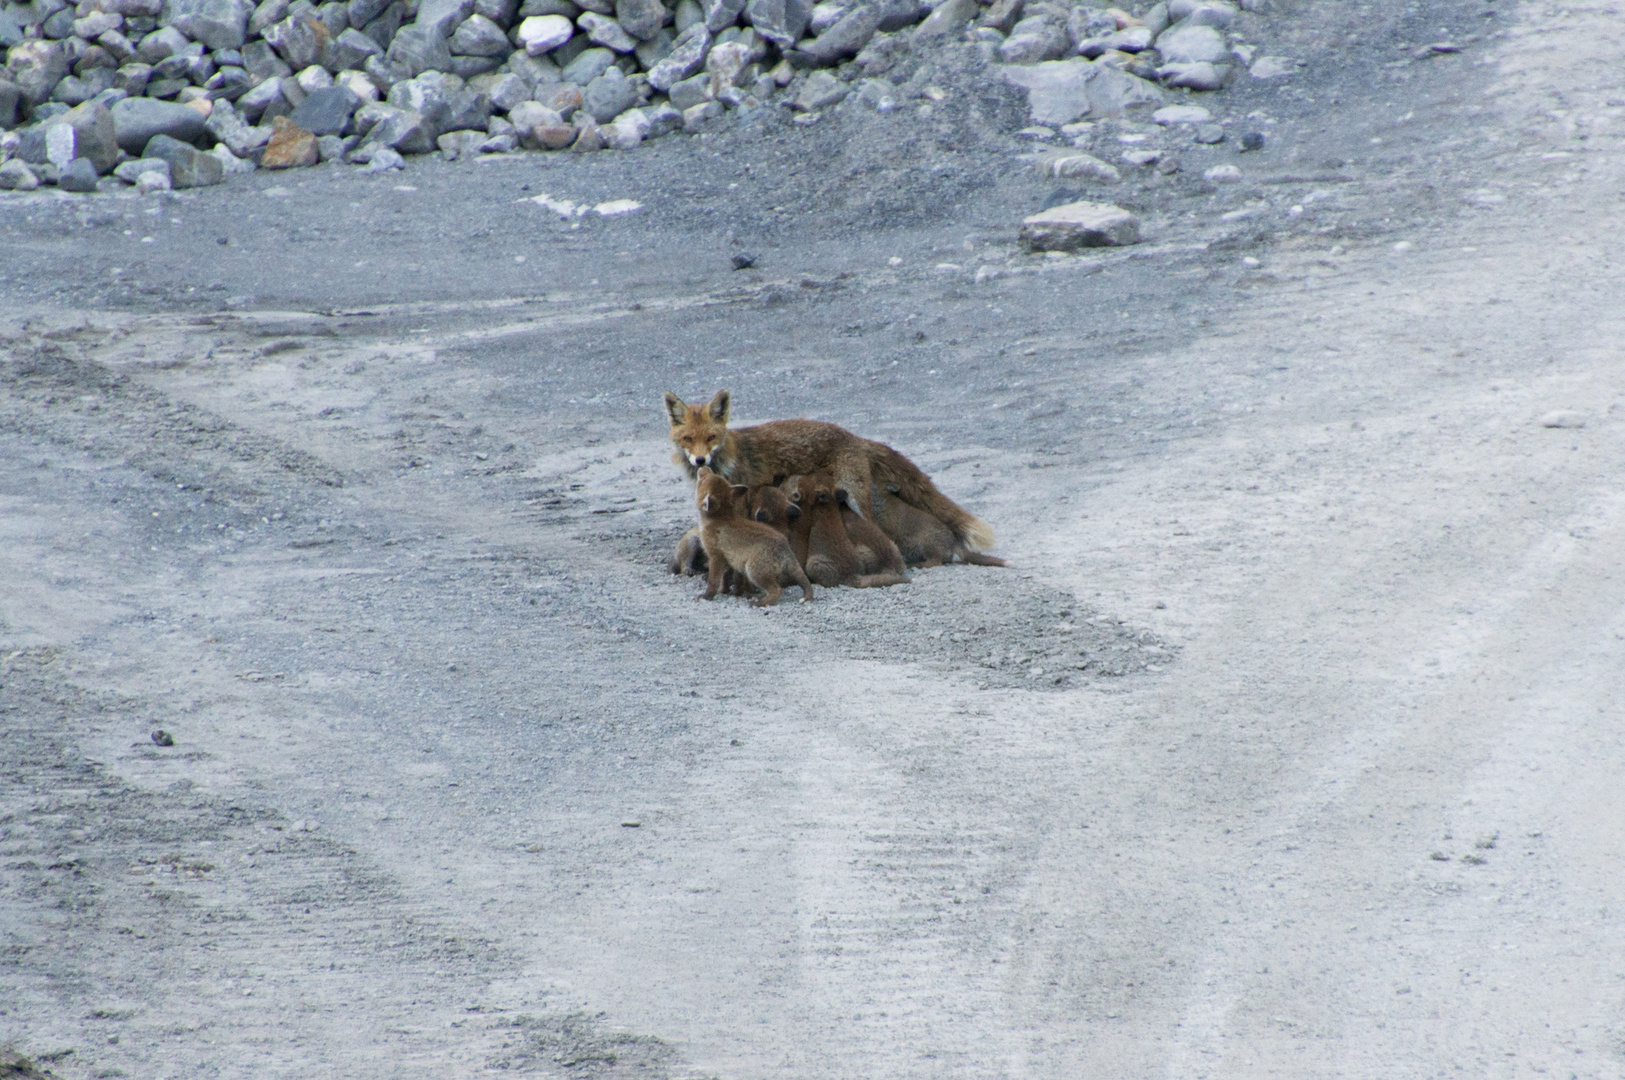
(1289, 747)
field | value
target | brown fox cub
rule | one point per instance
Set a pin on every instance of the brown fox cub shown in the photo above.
(765, 499)
(734, 542)
(767, 453)
(876, 552)
(922, 539)
(831, 558)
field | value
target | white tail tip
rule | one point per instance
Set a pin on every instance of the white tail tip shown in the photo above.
(978, 534)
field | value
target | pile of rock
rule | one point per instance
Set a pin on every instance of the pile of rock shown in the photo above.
(183, 92)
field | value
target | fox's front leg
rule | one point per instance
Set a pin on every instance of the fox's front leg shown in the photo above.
(713, 578)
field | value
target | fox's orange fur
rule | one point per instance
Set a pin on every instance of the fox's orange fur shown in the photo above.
(831, 557)
(769, 453)
(922, 539)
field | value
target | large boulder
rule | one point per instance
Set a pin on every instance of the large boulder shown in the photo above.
(138, 120)
(417, 49)
(188, 166)
(290, 146)
(479, 36)
(402, 130)
(36, 67)
(1035, 40)
(218, 24)
(850, 33)
(1192, 45)
(1060, 91)
(1079, 225)
(350, 50)
(609, 95)
(779, 21)
(93, 135)
(326, 111)
(641, 18)
(687, 56)
(442, 16)
(301, 40)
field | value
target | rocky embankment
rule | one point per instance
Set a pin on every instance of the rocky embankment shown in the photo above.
(162, 94)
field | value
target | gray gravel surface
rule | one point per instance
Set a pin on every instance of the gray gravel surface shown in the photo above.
(1288, 745)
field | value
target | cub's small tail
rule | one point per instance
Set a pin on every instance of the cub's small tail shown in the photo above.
(878, 581)
(976, 558)
(898, 474)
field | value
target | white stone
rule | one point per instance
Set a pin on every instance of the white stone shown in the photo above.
(606, 32)
(358, 84)
(1223, 174)
(1182, 114)
(1191, 45)
(1080, 225)
(543, 33)
(149, 182)
(313, 78)
(231, 163)
(1082, 167)
(1563, 418)
(1272, 67)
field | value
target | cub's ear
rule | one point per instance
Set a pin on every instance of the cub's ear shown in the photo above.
(740, 491)
(705, 504)
(842, 497)
(719, 407)
(794, 511)
(676, 409)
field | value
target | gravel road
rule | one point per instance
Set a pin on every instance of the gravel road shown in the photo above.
(1289, 745)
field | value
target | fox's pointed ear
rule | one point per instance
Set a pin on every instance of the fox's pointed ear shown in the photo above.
(719, 407)
(705, 504)
(740, 491)
(794, 511)
(675, 409)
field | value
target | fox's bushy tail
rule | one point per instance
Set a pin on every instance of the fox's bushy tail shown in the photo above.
(897, 474)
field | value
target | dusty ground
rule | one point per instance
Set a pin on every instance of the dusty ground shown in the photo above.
(1289, 746)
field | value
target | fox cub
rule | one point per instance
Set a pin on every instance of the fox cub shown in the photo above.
(752, 549)
(830, 556)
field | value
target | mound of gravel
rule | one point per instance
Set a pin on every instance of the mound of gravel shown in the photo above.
(231, 87)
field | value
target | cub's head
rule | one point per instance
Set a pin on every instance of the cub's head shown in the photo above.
(698, 430)
(772, 507)
(715, 496)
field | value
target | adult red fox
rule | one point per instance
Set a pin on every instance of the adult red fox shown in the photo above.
(769, 453)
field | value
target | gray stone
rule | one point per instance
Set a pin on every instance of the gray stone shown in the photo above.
(1035, 40)
(849, 34)
(602, 30)
(262, 62)
(820, 90)
(1252, 141)
(73, 91)
(119, 47)
(479, 36)
(1199, 76)
(382, 73)
(686, 57)
(131, 171)
(1134, 39)
(188, 166)
(569, 51)
(350, 50)
(361, 12)
(15, 175)
(687, 13)
(505, 142)
(895, 15)
(663, 120)
(1191, 45)
(255, 103)
(417, 49)
(588, 66)
(1209, 134)
(11, 99)
(59, 25)
(468, 67)
(383, 159)
(268, 13)
(460, 144)
(326, 111)
(641, 18)
(1079, 225)
(532, 114)
(1084, 25)
(690, 92)
(443, 16)
(825, 15)
(132, 79)
(96, 24)
(878, 94)
(1002, 15)
(335, 16)
(1076, 165)
(500, 12)
(218, 24)
(608, 96)
(94, 135)
(137, 120)
(504, 90)
(35, 67)
(11, 32)
(656, 49)
(1060, 91)
(948, 17)
(404, 130)
(1223, 174)
(160, 45)
(232, 131)
(1563, 418)
(566, 8)
(694, 117)
(1182, 114)
(299, 39)
(1217, 13)
(721, 14)
(1273, 67)
(229, 84)
(779, 21)
(383, 29)
(80, 176)
(466, 111)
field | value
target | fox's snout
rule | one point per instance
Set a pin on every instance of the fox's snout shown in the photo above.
(700, 461)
